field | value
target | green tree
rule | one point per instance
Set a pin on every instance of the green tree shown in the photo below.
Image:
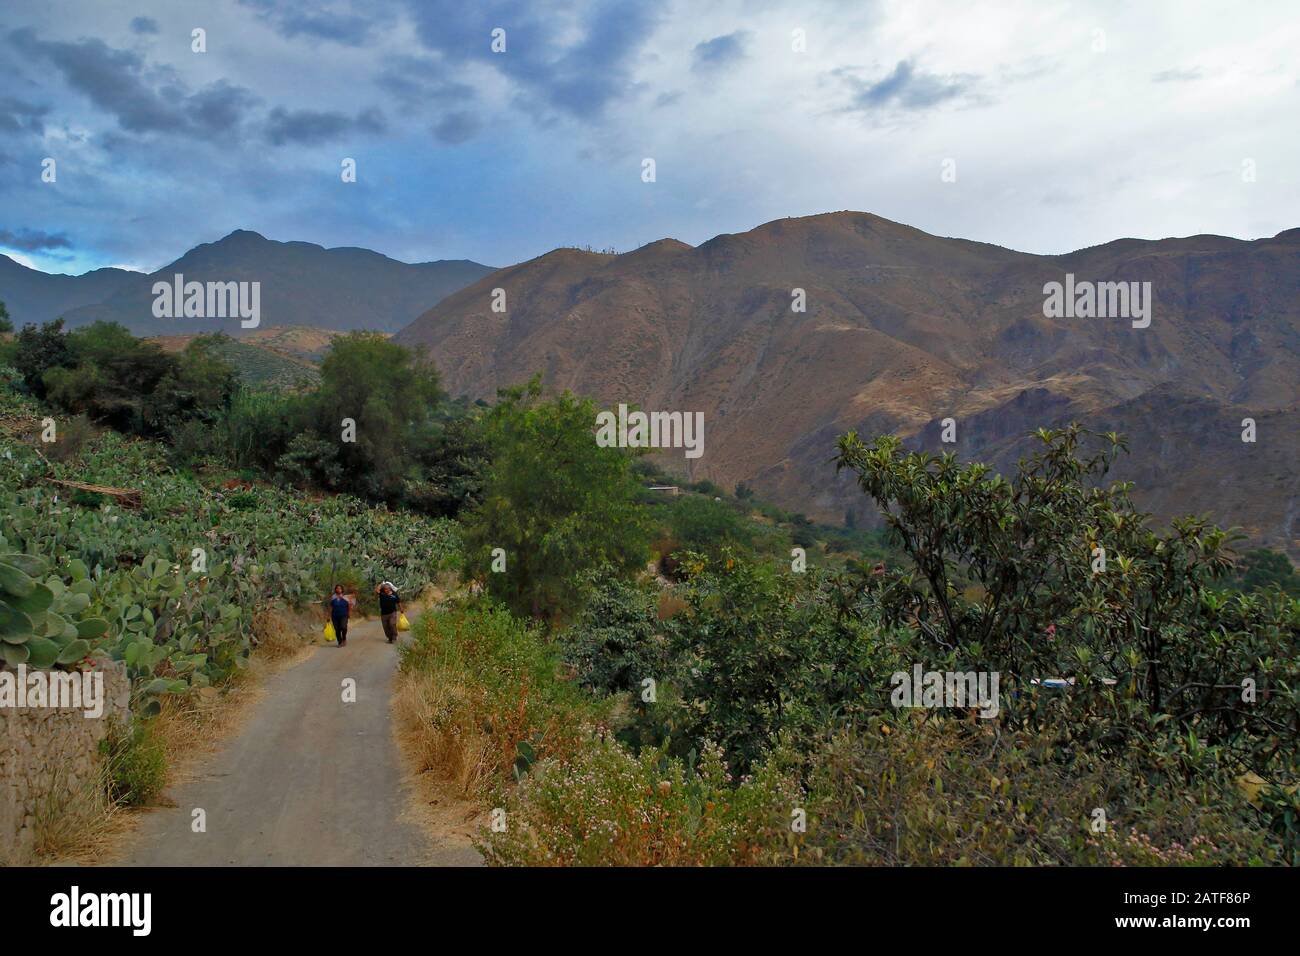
(1067, 579)
(554, 501)
(390, 393)
(6, 324)
(37, 350)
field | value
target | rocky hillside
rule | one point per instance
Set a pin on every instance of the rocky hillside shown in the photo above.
(903, 329)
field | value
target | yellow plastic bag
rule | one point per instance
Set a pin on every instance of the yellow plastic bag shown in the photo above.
(329, 631)
(402, 623)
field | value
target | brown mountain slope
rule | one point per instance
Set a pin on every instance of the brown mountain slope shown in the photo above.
(902, 330)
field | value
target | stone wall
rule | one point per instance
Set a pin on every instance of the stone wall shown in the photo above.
(50, 756)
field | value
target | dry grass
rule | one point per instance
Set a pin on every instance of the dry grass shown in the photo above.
(434, 721)
(669, 606)
(279, 636)
(436, 798)
(435, 730)
(71, 825)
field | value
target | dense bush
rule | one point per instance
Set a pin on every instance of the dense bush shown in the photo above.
(1261, 569)
(699, 523)
(617, 640)
(771, 653)
(105, 373)
(406, 445)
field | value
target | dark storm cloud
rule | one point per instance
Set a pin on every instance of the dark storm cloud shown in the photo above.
(141, 98)
(457, 127)
(576, 71)
(907, 88)
(420, 80)
(144, 25)
(33, 240)
(720, 51)
(18, 116)
(312, 127)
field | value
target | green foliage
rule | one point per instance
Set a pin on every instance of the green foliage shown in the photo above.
(390, 392)
(136, 763)
(1261, 569)
(310, 461)
(1169, 673)
(105, 373)
(176, 625)
(37, 351)
(197, 389)
(259, 427)
(699, 523)
(454, 456)
(44, 622)
(6, 325)
(772, 655)
(556, 502)
(617, 641)
(411, 447)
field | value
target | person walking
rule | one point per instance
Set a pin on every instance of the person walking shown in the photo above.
(340, 611)
(390, 607)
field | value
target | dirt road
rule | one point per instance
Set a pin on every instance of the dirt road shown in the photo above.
(310, 780)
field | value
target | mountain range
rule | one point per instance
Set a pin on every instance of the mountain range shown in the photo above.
(794, 332)
(902, 330)
(302, 284)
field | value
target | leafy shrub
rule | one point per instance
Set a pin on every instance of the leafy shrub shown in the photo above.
(88, 499)
(770, 654)
(1261, 569)
(617, 641)
(243, 501)
(702, 524)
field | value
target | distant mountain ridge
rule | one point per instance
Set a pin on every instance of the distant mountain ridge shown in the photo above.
(904, 329)
(302, 284)
(34, 296)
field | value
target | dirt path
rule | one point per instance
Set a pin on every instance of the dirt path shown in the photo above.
(309, 780)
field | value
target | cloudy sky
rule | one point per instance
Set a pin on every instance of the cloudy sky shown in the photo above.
(1066, 124)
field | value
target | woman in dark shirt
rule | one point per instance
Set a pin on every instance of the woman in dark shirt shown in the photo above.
(340, 608)
(390, 606)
